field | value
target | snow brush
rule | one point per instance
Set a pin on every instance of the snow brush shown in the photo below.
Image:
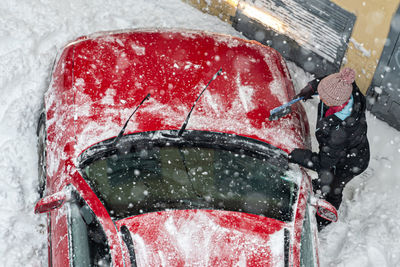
(283, 110)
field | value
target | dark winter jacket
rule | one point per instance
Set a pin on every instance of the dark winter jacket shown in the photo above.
(343, 144)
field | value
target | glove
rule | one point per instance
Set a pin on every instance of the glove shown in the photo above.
(305, 158)
(307, 92)
(300, 156)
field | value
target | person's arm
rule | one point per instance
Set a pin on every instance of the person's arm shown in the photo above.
(305, 158)
(309, 90)
(324, 160)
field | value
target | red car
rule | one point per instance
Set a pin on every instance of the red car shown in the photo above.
(155, 149)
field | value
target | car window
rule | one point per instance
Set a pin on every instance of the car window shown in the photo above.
(89, 245)
(306, 245)
(155, 177)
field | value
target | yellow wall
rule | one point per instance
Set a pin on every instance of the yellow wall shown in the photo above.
(370, 32)
(223, 9)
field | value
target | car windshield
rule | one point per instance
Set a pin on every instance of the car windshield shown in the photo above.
(151, 176)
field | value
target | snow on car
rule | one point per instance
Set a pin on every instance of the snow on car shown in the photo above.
(156, 150)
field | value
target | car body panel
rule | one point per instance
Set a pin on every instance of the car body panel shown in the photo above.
(59, 104)
(98, 81)
(102, 215)
(59, 232)
(112, 74)
(206, 238)
(298, 222)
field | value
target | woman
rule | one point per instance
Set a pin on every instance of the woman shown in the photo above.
(341, 132)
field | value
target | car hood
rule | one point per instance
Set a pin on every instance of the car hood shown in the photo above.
(113, 72)
(206, 238)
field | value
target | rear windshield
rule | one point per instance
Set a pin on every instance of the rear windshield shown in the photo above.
(162, 176)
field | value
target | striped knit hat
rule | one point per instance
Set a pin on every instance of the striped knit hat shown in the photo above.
(335, 89)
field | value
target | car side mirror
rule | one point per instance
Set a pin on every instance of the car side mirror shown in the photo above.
(325, 209)
(52, 202)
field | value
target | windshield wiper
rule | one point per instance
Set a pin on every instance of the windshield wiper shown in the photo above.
(127, 238)
(121, 133)
(190, 112)
(108, 146)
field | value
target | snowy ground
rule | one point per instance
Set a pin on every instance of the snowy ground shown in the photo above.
(32, 32)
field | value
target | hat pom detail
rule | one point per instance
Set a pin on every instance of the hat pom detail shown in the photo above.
(348, 75)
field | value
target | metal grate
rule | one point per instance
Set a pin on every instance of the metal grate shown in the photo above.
(310, 27)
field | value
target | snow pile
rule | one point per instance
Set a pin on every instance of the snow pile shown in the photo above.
(31, 34)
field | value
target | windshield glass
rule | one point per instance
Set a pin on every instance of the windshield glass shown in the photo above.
(159, 176)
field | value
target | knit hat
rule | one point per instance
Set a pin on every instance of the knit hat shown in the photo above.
(335, 89)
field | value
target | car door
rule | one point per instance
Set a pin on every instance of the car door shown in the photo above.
(58, 237)
(307, 243)
(88, 245)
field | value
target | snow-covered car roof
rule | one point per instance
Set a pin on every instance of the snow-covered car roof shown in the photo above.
(112, 72)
